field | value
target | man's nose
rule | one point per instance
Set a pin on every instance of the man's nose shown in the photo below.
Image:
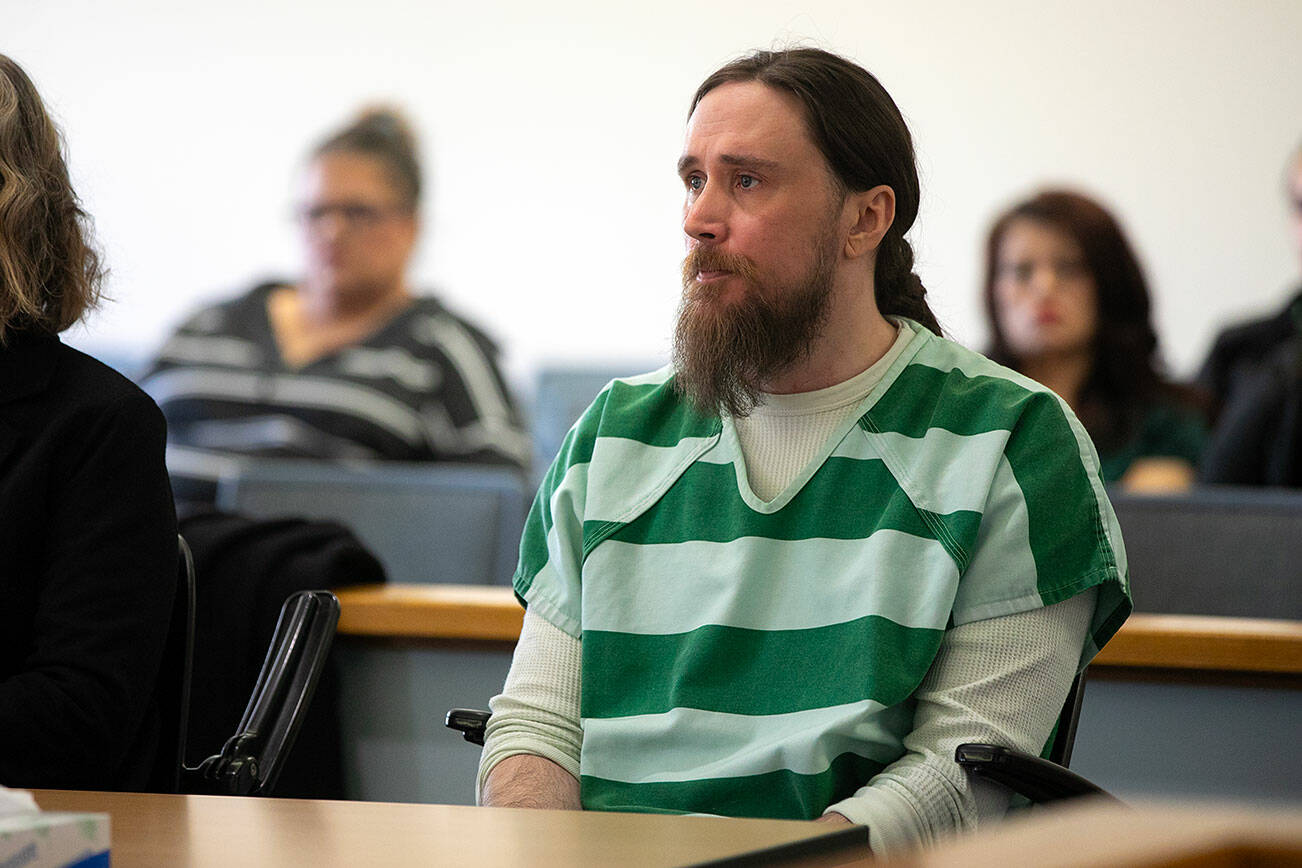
(705, 216)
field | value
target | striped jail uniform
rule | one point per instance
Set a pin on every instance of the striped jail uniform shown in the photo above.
(755, 658)
(424, 387)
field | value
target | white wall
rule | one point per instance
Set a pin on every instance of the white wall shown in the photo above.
(552, 129)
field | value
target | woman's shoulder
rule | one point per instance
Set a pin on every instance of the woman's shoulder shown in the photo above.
(234, 332)
(234, 314)
(1174, 425)
(88, 391)
(72, 402)
(434, 323)
(1178, 405)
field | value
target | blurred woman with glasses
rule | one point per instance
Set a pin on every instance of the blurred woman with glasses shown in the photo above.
(88, 551)
(1068, 306)
(347, 361)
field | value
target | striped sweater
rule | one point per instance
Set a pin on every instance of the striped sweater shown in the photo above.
(757, 658)
(425, 386)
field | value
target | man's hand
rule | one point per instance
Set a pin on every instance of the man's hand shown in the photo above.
(526, 781)
(834, 818)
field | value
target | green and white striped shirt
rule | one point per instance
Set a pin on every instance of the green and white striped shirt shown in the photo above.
(757, 658)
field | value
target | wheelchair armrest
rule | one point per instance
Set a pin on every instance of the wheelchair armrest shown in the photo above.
(1037, 779)
(470, 722)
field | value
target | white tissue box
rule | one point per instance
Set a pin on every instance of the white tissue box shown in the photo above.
(54, 840)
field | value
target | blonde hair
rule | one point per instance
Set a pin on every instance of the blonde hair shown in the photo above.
(50, 274)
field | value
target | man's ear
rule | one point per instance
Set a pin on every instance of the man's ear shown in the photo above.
(873, 212)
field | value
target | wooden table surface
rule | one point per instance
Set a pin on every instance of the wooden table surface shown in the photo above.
(1087, 834)
(158, 830)
(163, 830)
(1188, 643)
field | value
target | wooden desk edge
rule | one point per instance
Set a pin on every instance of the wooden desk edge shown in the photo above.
(1148, 641)
(460, 612)
(1205, 643)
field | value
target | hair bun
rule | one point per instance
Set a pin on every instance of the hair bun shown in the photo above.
(387, 122)
(382, 132)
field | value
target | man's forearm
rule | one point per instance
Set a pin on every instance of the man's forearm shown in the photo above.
(526, 781)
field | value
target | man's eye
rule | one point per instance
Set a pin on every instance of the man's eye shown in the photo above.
(695, 182)
(747, 181)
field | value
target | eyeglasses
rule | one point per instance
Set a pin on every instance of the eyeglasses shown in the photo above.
(353, 215)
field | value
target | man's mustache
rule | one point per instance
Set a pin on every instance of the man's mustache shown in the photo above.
(701, 259)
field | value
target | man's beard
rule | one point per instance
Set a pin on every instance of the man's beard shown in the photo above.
(725, 354)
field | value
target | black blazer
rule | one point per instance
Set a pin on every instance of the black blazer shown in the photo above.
(1255, 371)
(1247, 345)
(87, 569)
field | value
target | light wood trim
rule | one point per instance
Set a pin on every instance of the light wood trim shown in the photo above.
(1205, 643)
(1172, 642)
(431, 612)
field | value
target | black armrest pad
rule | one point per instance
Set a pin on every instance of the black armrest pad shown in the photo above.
(1037, 779)
(470, 722)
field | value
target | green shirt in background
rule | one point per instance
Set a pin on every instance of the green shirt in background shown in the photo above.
(1168, 431)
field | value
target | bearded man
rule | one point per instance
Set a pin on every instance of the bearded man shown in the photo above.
(788, 574)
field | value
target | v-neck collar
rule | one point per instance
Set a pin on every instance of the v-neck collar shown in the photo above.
(271, 345)
(731, 442)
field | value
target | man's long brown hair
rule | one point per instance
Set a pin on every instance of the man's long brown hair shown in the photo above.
(50, 274)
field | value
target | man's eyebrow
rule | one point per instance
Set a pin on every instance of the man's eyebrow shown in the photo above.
(748, 160)
(687, 161)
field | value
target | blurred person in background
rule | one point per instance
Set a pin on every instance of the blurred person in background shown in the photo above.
(347, 362)
(1068, 306)
(1255, 373)
(88, 551)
